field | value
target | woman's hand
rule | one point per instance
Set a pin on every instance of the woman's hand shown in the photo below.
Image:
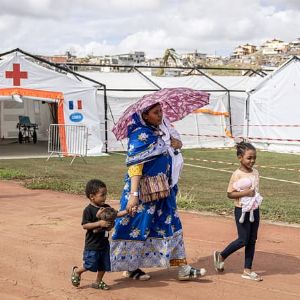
(175, 143)
(132, 203)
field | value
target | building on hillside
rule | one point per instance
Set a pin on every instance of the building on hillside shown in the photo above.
(110, 62)
(193, 58)
(59, 59)
(135, 58)
(274, 47)
(295, 47)
(243, 50)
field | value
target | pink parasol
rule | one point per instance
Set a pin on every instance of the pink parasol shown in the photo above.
(176, 103)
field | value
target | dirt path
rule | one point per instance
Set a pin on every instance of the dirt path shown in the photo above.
(41, 239)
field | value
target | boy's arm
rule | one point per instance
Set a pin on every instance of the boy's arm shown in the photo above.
(87, 223)
(94, 225)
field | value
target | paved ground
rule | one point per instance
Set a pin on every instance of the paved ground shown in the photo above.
(41, 239)
(11, 149)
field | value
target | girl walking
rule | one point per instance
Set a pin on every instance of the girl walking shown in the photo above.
(247, 231)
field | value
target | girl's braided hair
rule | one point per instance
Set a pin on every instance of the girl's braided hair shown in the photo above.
(242, 147)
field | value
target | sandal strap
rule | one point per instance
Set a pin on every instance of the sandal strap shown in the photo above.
(75, 278)
(103, 285)
(100, 285)
(136, 274)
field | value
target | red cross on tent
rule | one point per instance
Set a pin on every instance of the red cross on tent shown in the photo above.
(16, 74)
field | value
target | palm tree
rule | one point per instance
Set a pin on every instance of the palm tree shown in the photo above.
(169, 53)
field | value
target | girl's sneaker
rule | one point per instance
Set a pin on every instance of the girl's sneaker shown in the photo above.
(218, 263)
(251, 276)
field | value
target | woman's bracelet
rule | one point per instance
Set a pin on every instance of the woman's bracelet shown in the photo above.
(136, 194)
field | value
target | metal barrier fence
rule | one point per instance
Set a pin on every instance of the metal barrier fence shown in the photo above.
(68, 140)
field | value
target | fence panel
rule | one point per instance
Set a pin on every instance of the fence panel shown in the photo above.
(67, 140)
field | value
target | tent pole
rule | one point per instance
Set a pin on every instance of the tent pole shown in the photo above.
(229, 108)
(247, 114)
(156, 85)
(105, 117)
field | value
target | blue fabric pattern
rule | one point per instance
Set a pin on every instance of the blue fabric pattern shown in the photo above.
(144, 143)
(153, 236)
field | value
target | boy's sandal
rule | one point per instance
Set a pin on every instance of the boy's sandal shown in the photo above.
(137, 274)
(75, 278)
(252, 276)
(100, 285)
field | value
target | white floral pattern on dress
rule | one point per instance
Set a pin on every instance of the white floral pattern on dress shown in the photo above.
(168, 219)
(143, 136)
(126, 187)
(159, 212)
(161, 232)
(131, 147)
(135, 233)
(146, 233)
(125, 221)
(151, 210)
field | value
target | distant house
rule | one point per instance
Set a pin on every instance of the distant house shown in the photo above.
(295, 46)
(274, 47)
(192, 58)
(137, 57)
(59, 59)
(243, 50)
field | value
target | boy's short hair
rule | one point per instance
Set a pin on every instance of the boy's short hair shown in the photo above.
(93, 186)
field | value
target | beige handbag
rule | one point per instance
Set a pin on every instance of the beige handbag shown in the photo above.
(153, 188)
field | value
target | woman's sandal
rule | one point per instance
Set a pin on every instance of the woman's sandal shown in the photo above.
(75, 278)
(252, 276)
(100, 285)
(137, 274)
(194, 273)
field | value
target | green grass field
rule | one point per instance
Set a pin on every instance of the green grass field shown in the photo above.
(202, 185)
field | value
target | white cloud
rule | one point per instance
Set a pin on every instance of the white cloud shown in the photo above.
(118, 26)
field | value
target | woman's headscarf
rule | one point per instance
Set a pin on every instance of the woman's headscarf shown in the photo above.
(143, 141)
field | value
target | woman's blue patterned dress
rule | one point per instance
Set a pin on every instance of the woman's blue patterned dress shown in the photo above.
(153, 236)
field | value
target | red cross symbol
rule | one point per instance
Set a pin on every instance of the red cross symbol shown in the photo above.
(16, 74)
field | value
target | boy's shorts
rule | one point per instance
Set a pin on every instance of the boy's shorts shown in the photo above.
(97, 260)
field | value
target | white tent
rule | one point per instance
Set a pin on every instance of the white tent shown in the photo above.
(213, 125)
(34, 87)
(274, 110)
(208, 127)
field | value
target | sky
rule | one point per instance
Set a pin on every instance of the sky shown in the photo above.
(99, 27)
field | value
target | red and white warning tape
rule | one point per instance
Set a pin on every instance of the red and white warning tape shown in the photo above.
(242, 137)
(237, 164)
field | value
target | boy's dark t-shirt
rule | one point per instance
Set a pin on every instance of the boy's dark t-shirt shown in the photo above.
(97, 240)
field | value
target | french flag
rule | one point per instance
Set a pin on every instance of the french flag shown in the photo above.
(79, 104)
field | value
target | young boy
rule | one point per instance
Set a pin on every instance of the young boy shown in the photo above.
(96, 254)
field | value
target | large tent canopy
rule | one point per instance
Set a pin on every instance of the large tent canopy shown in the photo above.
(211, 126)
